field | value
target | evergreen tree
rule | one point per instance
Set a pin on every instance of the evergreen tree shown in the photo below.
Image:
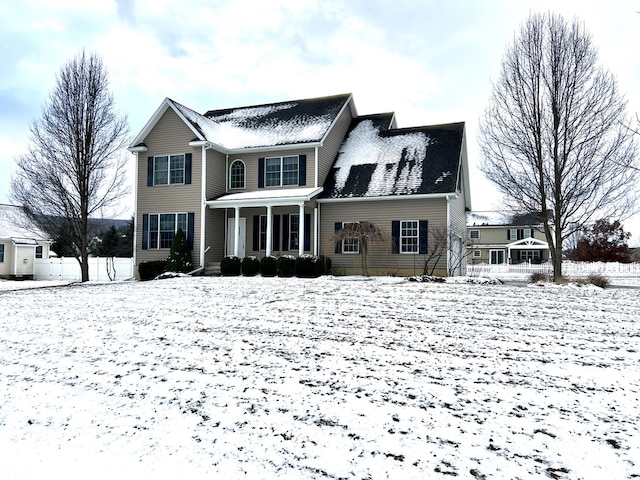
(605, 241)
(179, 259)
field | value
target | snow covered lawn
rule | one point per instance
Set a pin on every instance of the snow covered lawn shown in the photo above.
(329, 378)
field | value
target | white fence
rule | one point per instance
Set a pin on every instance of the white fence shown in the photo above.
(569, 269)
(68, 269)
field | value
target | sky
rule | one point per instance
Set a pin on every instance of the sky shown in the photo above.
(293, 379)
(429, 61)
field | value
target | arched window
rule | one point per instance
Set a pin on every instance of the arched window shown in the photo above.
(236, 174)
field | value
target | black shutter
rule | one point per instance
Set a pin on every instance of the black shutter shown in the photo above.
(256, 233)
(307, 232)
(261, 173)
(191, 228)
(302, 170)
(395, 236)
(423, 233)
(276, 232)
(187, 168)
(150, 172)
(285, 232)
(338, 227)
(145, 231)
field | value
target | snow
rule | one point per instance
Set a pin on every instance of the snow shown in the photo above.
(218, 377)
(281, 193)
(236, 130)
(365, 146)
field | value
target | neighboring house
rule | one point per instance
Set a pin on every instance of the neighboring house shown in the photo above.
(19, 246)
(280, 179)
(495, 239)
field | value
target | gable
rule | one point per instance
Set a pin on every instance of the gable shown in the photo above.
(375, 160)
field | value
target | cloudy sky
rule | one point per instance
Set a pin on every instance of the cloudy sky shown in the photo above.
(429, 61)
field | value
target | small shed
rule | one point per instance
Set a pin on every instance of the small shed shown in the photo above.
(20, 244)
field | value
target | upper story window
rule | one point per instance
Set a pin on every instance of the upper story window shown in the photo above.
(236, 174)
(39, 251)
(409, 236)
(281, 171)
(513, 234)
(519, 233)
(474, 234)
(168, 169)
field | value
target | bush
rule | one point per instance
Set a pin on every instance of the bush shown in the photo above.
(598, 280)
(325, 265)
(250, 266)
(230, 266)
(537, 277)
(286, 266)
(179, 259)
(307, 266)
(151, 269)
(269, 266)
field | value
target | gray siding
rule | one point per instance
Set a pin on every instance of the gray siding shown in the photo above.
(169, 136)
(329, 150)
(381, 212)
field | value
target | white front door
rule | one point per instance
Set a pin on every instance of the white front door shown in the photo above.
(231, 235)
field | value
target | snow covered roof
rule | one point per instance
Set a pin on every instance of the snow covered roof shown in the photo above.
(12, 226)
(269, 125)
(375, 160)
(501, 219)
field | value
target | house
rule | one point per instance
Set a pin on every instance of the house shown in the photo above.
(280, 178)
(497, 238)
(20, 245)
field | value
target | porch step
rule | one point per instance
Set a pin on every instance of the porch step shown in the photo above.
(212, 269)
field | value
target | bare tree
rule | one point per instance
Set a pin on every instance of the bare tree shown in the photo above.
(443, 247)
(553, 137)
(75, 165)
(364, 233)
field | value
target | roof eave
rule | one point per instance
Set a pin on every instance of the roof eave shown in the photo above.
(422, 196)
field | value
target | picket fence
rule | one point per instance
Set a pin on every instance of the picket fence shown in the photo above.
(68, 269)
(569, 269)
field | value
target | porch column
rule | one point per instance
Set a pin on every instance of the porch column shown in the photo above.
(236, 233)
(269, 233)
(301, 231)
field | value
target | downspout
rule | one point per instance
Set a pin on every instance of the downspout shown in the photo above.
(135, 213)
(448, 198)
(315, 180)
(203, 205)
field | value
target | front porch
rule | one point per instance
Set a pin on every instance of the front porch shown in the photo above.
(283, 221)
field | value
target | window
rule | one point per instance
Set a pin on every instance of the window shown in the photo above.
(281, 171)
(474, 234)
(294, 232)
(1, 252)
(409, 236)
(39, 251)
(263, 233)
(526, 233)
(477, 253)
(236, 174)
(513, 234)
(168, 170)
(163, 228)
(530, 256)
(350, 245)
(496, 257)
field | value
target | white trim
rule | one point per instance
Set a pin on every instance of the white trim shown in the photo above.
(244, 174)
(417, 237)
(425, 196)
(275, 198)
(203, 205)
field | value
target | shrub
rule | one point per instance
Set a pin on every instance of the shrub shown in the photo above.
(286, 266)
(269, 266)
(307, 266)
(250, 266)
(325, 265)
(598, 280)
(151, 269)
(179, 259)
(230, 266)
(539, 277)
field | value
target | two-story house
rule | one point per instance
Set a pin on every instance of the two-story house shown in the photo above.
(496, 238)
(280, 178)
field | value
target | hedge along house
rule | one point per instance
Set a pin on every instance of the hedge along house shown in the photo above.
(264, 180)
